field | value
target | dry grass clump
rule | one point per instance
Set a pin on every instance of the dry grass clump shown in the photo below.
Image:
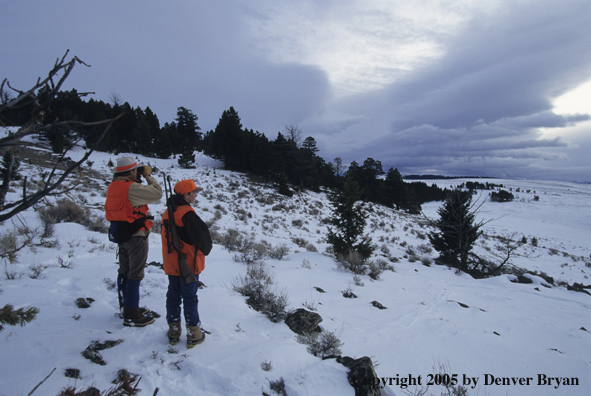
(67, 211)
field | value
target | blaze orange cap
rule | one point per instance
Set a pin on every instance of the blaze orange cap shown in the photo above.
(186, 186)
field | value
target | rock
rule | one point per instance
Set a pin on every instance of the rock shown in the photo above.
(91, 352)
(303, 322)
(361, 375)
(378, 305)
(579, 288)
(72, 373)
(84, 302)
(92, 391)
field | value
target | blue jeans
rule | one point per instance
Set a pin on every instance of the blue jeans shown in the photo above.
(187, 294)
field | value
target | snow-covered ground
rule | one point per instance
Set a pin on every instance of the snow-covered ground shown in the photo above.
(475, 329)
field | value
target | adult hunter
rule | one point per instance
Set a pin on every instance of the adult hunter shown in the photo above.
(193, 244)
(126, 208)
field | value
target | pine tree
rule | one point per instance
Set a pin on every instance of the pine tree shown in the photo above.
(226, 142)
(397, 191)
(21, 316)
(5, 165)
(458, 230)
(187, 129)
(348, 219)
(163, 142)
(187, 158)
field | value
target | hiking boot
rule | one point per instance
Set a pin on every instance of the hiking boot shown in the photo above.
(143, 311)
(174, 333)
(194, 336)
(132, 317)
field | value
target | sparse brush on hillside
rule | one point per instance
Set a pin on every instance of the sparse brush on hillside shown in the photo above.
(256, 286)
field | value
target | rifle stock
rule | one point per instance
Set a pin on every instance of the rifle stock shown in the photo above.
(172, 238)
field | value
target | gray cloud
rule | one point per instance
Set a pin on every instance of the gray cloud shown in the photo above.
(486, 99)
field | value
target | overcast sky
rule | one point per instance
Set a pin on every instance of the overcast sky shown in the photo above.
(456, 87)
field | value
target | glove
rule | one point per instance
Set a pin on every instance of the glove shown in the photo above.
(147, 171)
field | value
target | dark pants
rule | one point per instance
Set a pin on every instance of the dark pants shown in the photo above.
(187, 294)
(132, 261)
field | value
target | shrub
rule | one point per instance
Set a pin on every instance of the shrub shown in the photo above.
(501, 196)
(256, 286)
(297, 223)
(301, 242)
(64, 211)
(278, 386)
(251, 252)
(348, 293)
(232, 240)
(426, 261)
(322, 344)
(352, 262)
(384, 266)
(67, 211)
(374, 271)
(425, 248)
(36, 270)
(278, 252)
(311, 248)
(357, 280)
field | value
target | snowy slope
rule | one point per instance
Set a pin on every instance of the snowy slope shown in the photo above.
(434, 317)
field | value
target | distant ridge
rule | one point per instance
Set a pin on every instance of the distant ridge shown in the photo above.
(440, 177)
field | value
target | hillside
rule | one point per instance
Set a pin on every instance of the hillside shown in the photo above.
(435, 320)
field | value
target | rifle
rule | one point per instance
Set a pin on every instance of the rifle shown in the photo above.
(172, 237)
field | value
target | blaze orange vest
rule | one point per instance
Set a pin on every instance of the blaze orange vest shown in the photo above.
(195, 257)
(118, 208)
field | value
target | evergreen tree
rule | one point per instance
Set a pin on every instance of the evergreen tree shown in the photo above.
(226, 141)
(142, 135)
(458, 230)
(187, 129)
(369, 181)
(348, 218)
(12, 317)
(163, 143)
(7, 158)
(397, 191)
(187, 158)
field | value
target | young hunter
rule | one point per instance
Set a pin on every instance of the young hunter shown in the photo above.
(195, 243)
(127, 208)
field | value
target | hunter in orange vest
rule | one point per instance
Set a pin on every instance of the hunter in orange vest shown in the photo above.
(126, 207)
(195, 243)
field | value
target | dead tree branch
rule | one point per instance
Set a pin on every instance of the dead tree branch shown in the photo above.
(40, 97)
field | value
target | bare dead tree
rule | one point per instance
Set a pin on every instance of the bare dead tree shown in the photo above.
(40, 97)
(507, 248)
